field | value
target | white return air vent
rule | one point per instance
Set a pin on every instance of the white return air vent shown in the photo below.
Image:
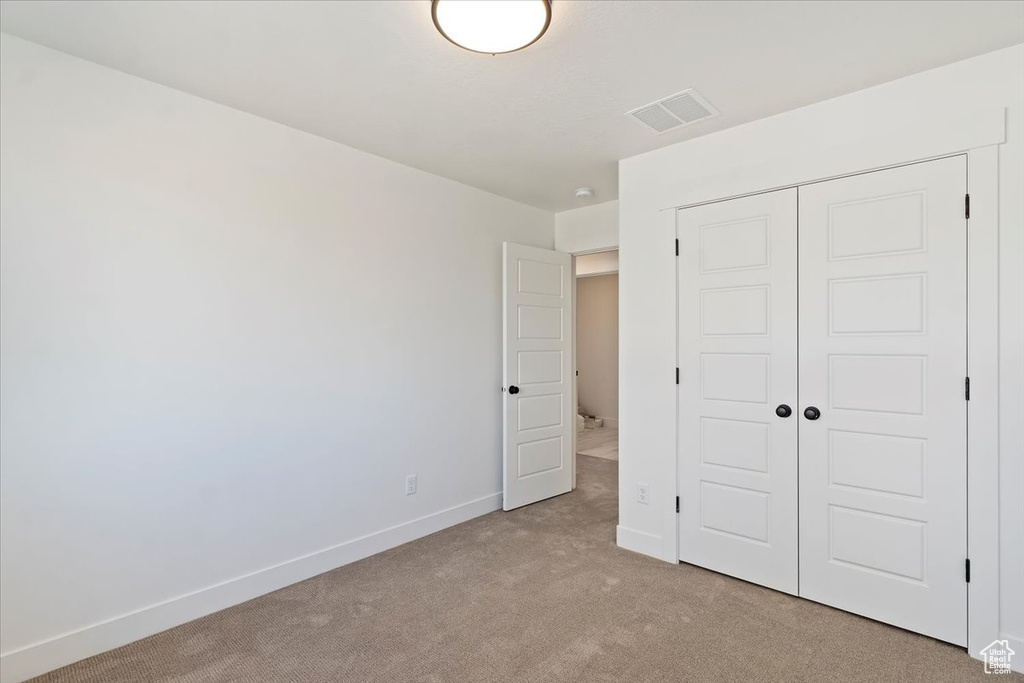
(674, 111)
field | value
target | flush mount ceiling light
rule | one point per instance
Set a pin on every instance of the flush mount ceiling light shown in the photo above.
(492, 27)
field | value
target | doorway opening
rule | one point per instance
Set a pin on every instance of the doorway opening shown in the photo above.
(597, 354)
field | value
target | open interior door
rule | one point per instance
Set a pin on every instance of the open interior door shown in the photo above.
(537, 387)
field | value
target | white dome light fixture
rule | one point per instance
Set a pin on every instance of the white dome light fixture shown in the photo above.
(492, 27)
(584, 192)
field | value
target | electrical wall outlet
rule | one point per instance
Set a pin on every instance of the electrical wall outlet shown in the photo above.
(410, 485)
(643, 493)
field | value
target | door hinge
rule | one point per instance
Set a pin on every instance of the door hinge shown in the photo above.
(677, 375)
(677, 246)
(677, 503)
(967, 388)
(967, 206)
(967, 570)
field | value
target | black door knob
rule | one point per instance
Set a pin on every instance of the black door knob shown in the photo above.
(783, 410)
(812, 413)
(513, 389)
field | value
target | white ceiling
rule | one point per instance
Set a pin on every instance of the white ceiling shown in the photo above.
(531, 125)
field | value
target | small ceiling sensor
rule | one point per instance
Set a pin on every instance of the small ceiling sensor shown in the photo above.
(584, 193)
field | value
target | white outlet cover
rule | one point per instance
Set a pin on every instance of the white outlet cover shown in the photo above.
(410, 485)
(643, 493)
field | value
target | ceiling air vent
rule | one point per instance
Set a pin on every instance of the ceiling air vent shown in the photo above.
(674, 111)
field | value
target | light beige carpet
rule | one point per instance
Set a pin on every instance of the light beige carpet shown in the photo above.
(602, 442)
(541, 594)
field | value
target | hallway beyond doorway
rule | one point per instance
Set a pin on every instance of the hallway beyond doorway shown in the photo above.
(602, 442)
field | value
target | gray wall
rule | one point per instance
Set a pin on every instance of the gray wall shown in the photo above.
(216, 331)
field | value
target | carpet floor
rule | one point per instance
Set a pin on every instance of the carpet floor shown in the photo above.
(540, 594)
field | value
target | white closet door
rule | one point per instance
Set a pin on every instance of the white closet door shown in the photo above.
(737, 365)
(883, 314)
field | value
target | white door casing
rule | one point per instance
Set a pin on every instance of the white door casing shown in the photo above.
(737, 364)
(883, 327)
(537, 390)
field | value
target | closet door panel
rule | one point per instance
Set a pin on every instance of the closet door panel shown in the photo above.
(882, 262)
(737, 360)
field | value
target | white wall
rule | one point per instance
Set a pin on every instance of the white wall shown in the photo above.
(590, 228)
(783, 150)
(225, 343)
(597, 346)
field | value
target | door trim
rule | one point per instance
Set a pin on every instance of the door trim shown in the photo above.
(575, 349)
(983, 408)
(983, 368)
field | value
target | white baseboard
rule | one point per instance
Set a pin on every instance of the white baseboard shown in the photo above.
(611, 422)
(638, 541)
(38, 658)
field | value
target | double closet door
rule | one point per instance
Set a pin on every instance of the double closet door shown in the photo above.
(822, 412)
